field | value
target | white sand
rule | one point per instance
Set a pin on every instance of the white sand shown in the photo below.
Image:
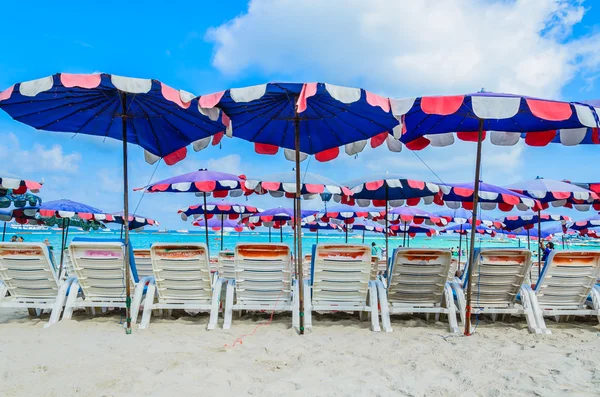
(94, 357)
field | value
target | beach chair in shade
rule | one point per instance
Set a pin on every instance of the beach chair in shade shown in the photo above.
(99, 271)
(182, 280)
(343, 278)
(418, 284)
(263, 281)
(497, 282)
(567, 284)
(226, 265)
(143, 262)
(29, 280)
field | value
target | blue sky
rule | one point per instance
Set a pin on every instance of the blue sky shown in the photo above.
(535, 47)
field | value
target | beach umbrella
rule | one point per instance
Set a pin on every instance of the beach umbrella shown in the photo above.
(203, 183)
(17, 186)
(315, 226)
(557, 193)
(20, 215)
(305, 119)
(411, 229)
(505, 118)
(136, 222)
(490, 197)
(365, 225)
(221, 210)
(525, 222)
(346, 214)
(278, 218)
(66, 211)
(587, 223)
(417, 216)
(144, 112)
(384, 189)
(284, 185)
(10, 199)
(468, 229)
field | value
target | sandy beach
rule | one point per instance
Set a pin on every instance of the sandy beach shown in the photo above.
(341, 357)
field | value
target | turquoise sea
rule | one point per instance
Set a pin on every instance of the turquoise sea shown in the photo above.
(146, 238)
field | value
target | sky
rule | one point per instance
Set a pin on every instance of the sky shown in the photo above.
(544, 48)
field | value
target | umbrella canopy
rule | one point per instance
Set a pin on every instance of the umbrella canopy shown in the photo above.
(557, 193)
(135, 221)
(284, 184)
(30, 215)
(366, 225)
(347, 214)
(416, 216)
(216, 225)
(20, 215)
(529, 219)
(490, 197)
(533, 233)
(466, 229)
(277, 217)
(217, 184)
(159, 118)
(19, 200)
(72, 209)
(219, 209)
(461, 216)
(317, 225)
(328, 117)
(505, 118)
(389, 188)
(413, 229)
(593, 221)
(17, 186)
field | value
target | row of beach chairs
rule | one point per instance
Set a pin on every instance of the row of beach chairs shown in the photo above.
(260, 277)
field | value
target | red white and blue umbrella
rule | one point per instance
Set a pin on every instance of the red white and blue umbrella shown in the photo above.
(556, 193)
(18, 186)
(364, 225)
(490, 197)
(415, 215)
(202, 182)
(218, 209)
(284, 185)
(346, 214)
(148, 113)
(461, 216)
(466, 229)
(305, 119)
(136, 222)
(278, 218)
(315, 226)
(587, 223)
(529, 219)
(217, 225)
(411, 230)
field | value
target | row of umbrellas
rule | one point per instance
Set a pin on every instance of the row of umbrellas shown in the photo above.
(302, 118)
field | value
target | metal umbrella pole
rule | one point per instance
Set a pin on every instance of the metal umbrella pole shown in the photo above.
(539, 243)
(346, 229)
(459, 245)
(206, 228)
(363, 236)
(126, 215)
(473, 226)
(221, 232)
(299, 271)
(269, 233)
(281, 234)
(404, 236)
(62, 246)
(318, 237)
(387, 253)
(4, 232)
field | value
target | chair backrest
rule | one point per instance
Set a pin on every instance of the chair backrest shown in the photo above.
(418, 275)
(181, 271)
(568, 278)
(498, 275)
(99, 266)
(26, 269)
(227, 264)
(143, 262)
(341, 273)
(263, 272)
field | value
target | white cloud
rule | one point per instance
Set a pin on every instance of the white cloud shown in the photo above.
(39, 158)
(411, 48)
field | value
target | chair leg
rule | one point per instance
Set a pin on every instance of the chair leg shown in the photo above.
(460, 301)
(374, 307)
(229, 304)
(59, 303)
(535, 322)
(453, 324)
(73, 292)
(214, 305)
(3, 290)
(596, 301)
(307, 306)
(385, 307)
(148, 304)
(137, 298)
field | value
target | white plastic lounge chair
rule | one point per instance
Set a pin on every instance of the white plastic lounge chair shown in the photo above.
(29, 280)
(567, 284)
(226, 267)
(183, 281)
(263, 281)
(99, 268)
(497, 281)
(343, 279)
(418, 284)
(143, 262)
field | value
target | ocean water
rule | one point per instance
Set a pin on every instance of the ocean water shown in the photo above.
(146, 238)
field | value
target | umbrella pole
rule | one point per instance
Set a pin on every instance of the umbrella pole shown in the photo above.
(346, 234)
(473, 227)
(404, 236)
(269, 233)
(294, 224)
(62, 247)
(281, 234)
(387, 253)
(318, 237)
(206, 227)
(221, 232)
(562, 238)
(126, 216)
(539, 243)
(4, 233)
(121, 232)
(299, 271)
(363, 240)
(459, 245)
(529, 249)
